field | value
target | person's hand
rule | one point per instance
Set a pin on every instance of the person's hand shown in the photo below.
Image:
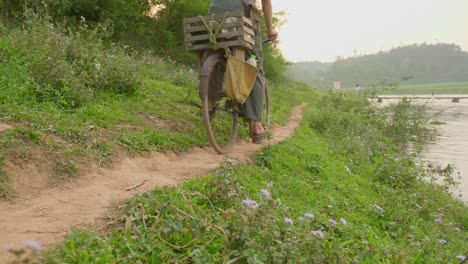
(272, 35)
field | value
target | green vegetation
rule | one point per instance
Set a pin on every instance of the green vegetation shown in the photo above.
(78, 100)
(342, 190)
(436, 88)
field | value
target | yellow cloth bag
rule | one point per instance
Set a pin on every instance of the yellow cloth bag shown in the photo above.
(239, 79)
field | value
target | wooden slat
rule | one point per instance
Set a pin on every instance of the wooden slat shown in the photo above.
(230, 34)
(249, 40)
(209, 17)
(247, 21)
(248, 30)
(235, 43)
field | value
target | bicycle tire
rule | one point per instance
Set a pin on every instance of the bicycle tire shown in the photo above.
(220, 114)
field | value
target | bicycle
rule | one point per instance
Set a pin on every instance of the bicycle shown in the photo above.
(221, 113)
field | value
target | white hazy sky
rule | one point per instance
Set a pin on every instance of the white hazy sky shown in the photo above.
(323, 30)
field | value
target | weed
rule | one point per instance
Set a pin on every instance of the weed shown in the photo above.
(64, 170)
(6, 189)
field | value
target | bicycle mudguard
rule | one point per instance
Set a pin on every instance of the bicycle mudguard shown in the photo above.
(206, 70)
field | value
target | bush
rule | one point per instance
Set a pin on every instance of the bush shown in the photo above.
(69, 66)
(361, 131)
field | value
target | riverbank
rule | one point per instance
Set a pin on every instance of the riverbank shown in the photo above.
(450, 146)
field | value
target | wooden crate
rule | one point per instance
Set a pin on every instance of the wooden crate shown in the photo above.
(238, 32)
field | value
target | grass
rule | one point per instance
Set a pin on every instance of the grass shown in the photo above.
(337, 192)
(426, 89)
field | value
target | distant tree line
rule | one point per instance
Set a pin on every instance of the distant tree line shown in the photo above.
(423, 63)
(130, 21)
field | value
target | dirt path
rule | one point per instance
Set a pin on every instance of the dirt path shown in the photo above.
(48, 216)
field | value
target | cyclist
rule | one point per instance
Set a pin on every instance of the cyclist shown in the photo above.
(254, 103)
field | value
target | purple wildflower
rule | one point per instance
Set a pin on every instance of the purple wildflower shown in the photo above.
(265, 193)
(317, 233)
(461, 258)
(288, 221)
(301, 219)
(343, 221)
(332, 223)
(442, 241)
(438, 220)
(33, 245)
(250, 203)
(270, 185)
(309, 216)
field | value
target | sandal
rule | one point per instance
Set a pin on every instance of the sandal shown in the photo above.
(256, 138)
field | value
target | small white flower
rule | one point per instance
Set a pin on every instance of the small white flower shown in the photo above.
(380, 209)
(301, 219)
(461, 258)
(126, 46)
(442, 241)
(270, 185)
(343, 221)
(265, 193)
(332, 223)
(288, 221)
(329, 206)
(98, 66)
(418, 206)
(317, 233)
(308, 216)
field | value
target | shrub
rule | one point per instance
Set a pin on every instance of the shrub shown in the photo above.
(69, 66)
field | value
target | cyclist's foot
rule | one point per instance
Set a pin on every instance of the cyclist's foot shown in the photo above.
(257, 132)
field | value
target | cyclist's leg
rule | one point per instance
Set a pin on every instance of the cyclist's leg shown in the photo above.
(254, 103)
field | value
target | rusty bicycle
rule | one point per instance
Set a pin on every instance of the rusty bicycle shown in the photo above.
(218, 39)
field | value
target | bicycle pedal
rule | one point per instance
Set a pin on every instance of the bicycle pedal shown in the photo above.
(196, 104)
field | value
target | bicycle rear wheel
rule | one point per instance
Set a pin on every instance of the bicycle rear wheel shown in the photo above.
(220, 114)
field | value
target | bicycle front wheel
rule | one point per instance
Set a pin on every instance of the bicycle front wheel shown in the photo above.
(220, 114)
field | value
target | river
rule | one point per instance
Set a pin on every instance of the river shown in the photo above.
(451, 144)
